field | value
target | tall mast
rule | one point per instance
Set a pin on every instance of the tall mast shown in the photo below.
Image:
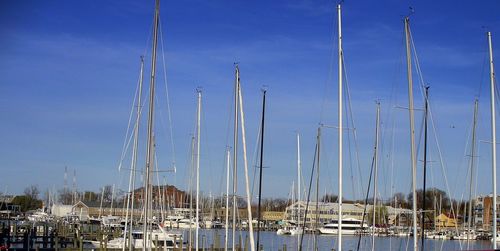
(191, 174)
(316, 222)
(412, 132)
(235, 149)
(339, 248)
(298, 191)
(245, 165)
(261, 164)
(198, 168)
(131, 182)
(472, 162)
(149, 148)
(426, 114)
(228, 164)
(493, 141)
(377, 133)
(100, 206)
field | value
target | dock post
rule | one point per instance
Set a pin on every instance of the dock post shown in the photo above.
(182, 244)
(239, 243)
(57, 243)
(75, 238)
(284, 247)
(26, 241)
(81, 243)
(105, 240)
(44, 237)
(246, 243)
(203, 242)
(156, 242)
(217, 242)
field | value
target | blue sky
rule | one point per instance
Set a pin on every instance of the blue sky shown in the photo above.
(69, 70)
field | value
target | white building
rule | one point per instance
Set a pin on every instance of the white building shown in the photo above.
(328, 211)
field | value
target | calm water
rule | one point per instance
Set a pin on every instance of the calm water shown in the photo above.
(272, 241)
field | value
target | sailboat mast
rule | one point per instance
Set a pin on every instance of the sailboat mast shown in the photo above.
(245, 165)
(472, 163)
(412, 132)
(191, 174)
(261, 165)
(228, 164)
(235, 150)
(340, 129)
(493, 141)
(149, 148)
(316, 224)
(298, 190)
(375, 178)
(426, 114)
(298, 167)
(130, 198)
(198, 133)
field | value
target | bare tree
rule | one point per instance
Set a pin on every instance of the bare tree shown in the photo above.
(32, 192)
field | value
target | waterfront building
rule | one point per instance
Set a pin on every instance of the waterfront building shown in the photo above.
(445, 221)
(328, 211)
(483, 211)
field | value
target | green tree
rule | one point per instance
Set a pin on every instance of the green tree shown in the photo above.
(27, 203)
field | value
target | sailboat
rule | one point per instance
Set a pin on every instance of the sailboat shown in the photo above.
(152, 234)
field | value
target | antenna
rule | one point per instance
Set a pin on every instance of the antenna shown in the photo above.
(411, 11)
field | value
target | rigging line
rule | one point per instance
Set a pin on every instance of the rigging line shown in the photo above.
(330, 72)
(126, 141)
(440, 154)
(419, 73)
(228, 127)
(347, 111)
(483, 68)
(382, 166)
(223, 178)
(477, 171)
(208, 158)
(308, 194)
(256, 155)
(230, 118)
(164, 62)
(391, 161)
(393, 100)
(350, 159)
(354, 131)
(417, 66)
(465, 153)
(162, 213)
(366, 198)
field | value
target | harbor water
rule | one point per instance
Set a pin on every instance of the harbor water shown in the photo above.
(272, 241)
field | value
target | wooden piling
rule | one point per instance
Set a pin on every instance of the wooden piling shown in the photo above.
(203, 242)
(217, 242)
(246, 243)
(239, 243)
